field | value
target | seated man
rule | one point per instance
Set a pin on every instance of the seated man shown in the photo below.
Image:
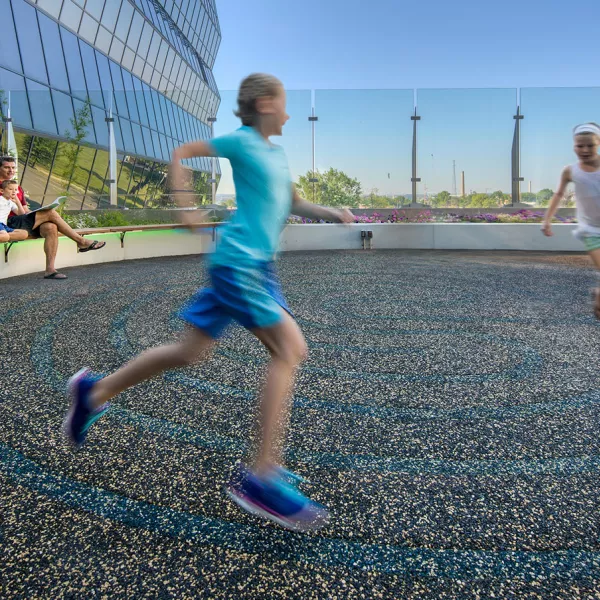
(23, 225)
(48, 230)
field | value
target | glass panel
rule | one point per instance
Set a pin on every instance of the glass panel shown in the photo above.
(133, 39)
(162, 55)
(103, 40)
(71, 15)
(139, 99)
(175, 131)
(159, 184)
(164, 148)
(14, 88)
(154, 46)
(128, 58)
(138, 66)
(145, 39)
(94, 88)
(139, 183)
(9, 50)
(109, 16)
(128, 144)
(124, 180)
(29, 40)
(147, 73)
(165, 113)
(105, 78)
(53, 52)
(81, 173)
(41, 108)
(550, 114)
(52, 7)
(157, 111)
(101, 126)
(118, 136)
(88, 28)
(156, 143)
(85, 120)
(63, 106)
(64, 164)
(23, 142)
(130, 95)
(35, 177)
(451, 128)
(99, 174)
(117, 80)
(74, 66)
(138, 140)
(149, 106)
(94, 7)
(148, 142)
(124, 21)
(116, 50)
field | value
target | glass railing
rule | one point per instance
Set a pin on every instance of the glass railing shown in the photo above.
(367, 149)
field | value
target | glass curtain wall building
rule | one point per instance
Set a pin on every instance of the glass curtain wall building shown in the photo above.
(64, 64)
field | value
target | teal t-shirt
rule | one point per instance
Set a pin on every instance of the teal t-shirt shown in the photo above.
(263, 189)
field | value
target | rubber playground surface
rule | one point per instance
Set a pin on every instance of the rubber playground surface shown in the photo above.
(448, 414)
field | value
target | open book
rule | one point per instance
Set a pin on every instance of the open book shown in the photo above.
(56, 204)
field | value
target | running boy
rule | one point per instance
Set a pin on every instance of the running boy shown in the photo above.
(585, 174)
(244, 289)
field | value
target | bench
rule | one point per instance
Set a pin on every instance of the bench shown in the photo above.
(124, 230)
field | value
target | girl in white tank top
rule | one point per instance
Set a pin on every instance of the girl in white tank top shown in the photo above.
(585, 174)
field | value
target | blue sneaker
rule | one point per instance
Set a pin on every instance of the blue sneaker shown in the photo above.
(80, 417)
(273, 498)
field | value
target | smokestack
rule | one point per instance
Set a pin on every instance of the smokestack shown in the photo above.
(462, 184)
(530, 186)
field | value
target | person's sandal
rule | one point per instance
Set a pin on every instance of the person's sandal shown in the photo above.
(55, 275)
(95, 245)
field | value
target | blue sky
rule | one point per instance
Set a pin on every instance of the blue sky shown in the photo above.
(392, 45)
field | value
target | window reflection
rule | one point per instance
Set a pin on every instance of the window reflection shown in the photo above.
(41, 108)
(74, 66)
(35, 175)
(71, 15)
(30, 43)
(63, 107)
(124, 21)
(9, 49)
(88, 57)
(109, 15)
(14, 89)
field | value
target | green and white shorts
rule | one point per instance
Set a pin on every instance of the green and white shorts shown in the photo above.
(592, 242)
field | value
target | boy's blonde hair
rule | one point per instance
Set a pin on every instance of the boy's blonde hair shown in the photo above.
(255, 86)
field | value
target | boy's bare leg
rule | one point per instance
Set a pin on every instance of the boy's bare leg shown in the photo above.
(18, 235)
(193, 347)
(288, 349)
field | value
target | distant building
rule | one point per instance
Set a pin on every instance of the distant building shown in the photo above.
(150, 60)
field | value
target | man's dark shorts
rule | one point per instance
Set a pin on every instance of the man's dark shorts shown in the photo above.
(26, 222)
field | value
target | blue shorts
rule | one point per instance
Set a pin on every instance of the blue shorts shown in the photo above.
(6, 228)
(249, 295)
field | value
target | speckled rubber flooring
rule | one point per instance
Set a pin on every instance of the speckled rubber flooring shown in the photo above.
(448, 415)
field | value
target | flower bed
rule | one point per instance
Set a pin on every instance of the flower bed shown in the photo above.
(426, 216)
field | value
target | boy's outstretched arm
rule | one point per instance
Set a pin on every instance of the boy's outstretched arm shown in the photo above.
(303, 208)
(565, 179)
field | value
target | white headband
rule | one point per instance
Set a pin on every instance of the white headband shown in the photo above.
(587, 128)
